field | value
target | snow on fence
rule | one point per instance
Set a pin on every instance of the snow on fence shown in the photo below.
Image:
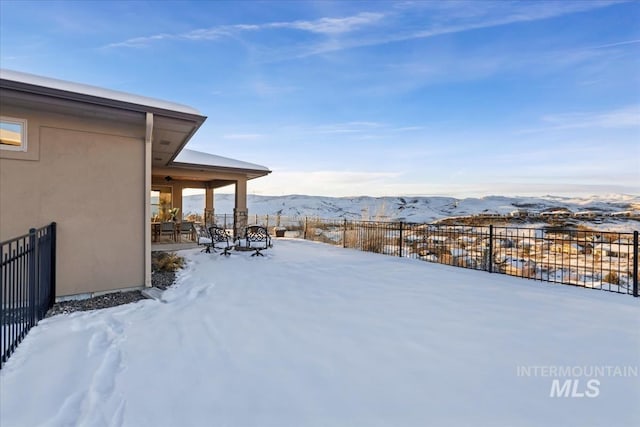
(585, 258)
(27, 286)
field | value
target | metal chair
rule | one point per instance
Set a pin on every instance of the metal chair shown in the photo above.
(220, 239)
(186, 227)
(168, 228)
(203, 237)
(257, 238)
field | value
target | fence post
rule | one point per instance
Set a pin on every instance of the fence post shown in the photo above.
(33, 253)
(635, 263)
(490, 248)
(304, 233)
(401, 240)
(52, 289)
(344, 234)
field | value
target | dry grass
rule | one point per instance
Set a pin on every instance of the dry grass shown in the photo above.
(612, 277)
(167, 261)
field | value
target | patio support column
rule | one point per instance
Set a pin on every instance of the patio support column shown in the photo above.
(209, 218)
(177, 198)
(148, 139)
(240, 211)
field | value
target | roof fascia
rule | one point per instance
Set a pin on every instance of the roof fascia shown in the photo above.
(8, 96)
(90, 99)
(261, 172)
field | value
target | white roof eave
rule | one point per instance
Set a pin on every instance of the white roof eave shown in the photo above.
(94, 91)
(192, 158)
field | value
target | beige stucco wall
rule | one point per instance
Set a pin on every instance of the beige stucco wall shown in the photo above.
(87, 174)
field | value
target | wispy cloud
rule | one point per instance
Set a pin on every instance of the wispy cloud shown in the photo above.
(354, 130)
(622, 43)
(350, 127)
(461, 16)
(484, 62)
(408, 129)
(359, 129)
(417, 20)
(196, 35)
(346, 184)
(625, 117)
(327, 182)
(325, 26)
(331, 26)
(243, 136)
(262, 88)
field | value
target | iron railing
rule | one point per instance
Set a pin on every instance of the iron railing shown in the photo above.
(269, 221)
(586, 258)
(579, 257)
(28, 284)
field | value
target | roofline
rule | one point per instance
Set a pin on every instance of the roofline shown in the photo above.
(47, 86)
(97, 100)
(258, 172)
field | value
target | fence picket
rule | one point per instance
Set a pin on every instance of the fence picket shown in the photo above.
(27, 287)
(591, 259)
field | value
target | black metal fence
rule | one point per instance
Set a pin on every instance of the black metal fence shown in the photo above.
(268, 221)
(586, 258)
(28, 284)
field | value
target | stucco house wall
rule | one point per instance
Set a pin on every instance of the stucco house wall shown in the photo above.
(91, 156)
(87, 174)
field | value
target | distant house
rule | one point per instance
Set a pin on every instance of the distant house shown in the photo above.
(567, 248)
(586, 214)
(556, 213)
(622, 214)
(519, 213)
(89, 158)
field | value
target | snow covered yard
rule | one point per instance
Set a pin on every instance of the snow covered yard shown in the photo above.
(314, 335)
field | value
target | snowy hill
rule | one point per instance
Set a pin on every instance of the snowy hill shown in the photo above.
(414, 209)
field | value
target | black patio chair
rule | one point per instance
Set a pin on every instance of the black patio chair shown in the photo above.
(220, 239)
(203, 237)
(257, 238)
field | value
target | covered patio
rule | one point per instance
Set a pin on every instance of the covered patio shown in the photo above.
(196, 170)
(171, 168)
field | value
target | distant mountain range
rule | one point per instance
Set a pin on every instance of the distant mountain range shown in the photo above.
(413, 209)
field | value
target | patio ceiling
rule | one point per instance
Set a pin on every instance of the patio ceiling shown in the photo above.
(215, 170)
(169, 136)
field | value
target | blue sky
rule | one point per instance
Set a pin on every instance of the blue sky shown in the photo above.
(371, 98)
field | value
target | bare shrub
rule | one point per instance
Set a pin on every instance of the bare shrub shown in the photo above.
(612, 277)
(167, 261)
(365, 238)
(445, 258)
(372, 242)
(194, 217)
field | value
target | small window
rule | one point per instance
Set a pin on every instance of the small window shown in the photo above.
(13, 134)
